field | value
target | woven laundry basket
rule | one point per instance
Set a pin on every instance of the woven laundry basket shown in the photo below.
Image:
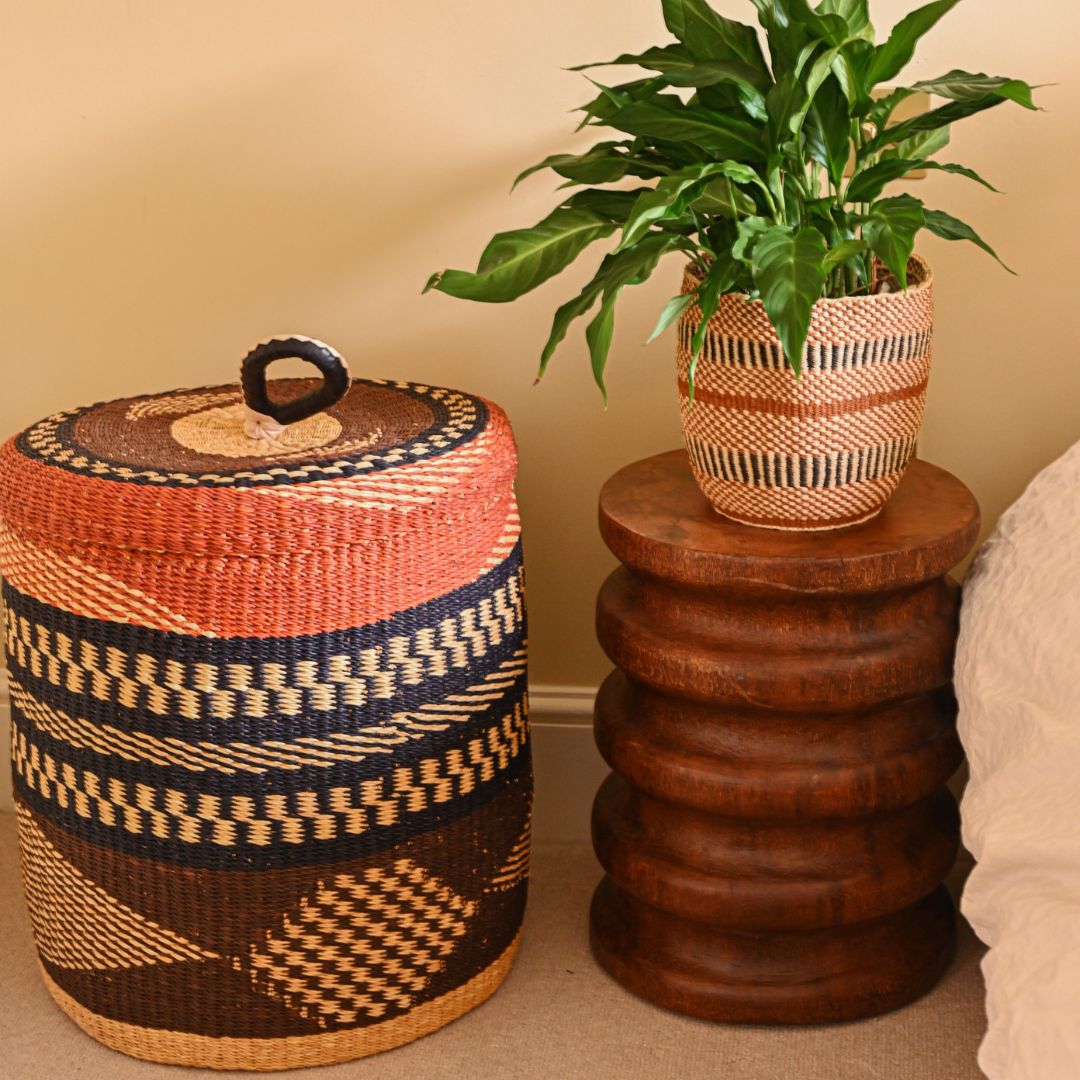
(822, 451)
(270, 737)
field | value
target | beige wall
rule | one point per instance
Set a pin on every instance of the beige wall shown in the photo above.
(181, 179)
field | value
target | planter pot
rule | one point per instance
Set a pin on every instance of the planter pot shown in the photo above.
(821, 452)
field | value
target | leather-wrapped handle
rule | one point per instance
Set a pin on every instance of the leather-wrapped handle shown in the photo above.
(331, 364)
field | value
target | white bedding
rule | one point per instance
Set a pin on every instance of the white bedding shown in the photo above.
(1018, 683)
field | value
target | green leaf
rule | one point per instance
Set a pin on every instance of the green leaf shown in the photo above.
(516, 262)
(854, 13)
(734, 170)
(883, 108)
(825, 26)
(598, 334)
(666, 117)
(680, 68)
(673, 310)
(668, 199)
(635, 267)
(842, 252)
(617, 270)
(613, 205)
(891, 57)
(710, 36)
(950, 228)
(787, 103)
(600, 165)
(850, 68)
(613, 98)
(790, 275)
(673, 194)
(820, 71)
(959, 170)
(787, 37)
(929, 121)
(868, 185)
(891, 229)
(828, 131)
(657, 58)
(722, 274)
(792, 25)
(819, 213)
(711, 72)
(922, 146)
(565, 316)
(749, 230)
(721, 198)
(965, 86)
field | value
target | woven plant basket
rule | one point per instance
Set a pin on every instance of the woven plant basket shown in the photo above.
(821, 452)
(268, 690)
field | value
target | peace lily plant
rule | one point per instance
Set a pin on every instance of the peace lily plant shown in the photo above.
(767, 169)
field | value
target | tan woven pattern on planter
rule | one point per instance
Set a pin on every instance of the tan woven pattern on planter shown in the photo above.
(819, 452)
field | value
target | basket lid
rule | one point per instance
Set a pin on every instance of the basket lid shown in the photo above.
(200, 472)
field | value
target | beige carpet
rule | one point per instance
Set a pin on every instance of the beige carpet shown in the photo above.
(556, 1018)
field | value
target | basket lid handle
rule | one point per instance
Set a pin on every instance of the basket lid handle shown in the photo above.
(266, 419)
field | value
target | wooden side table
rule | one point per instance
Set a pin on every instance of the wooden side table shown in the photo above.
(781, 726)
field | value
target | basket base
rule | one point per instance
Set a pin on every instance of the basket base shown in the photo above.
(805, 509)
(820, 527)
(292, 1052)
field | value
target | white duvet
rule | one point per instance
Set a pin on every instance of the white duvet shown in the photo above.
(1018, 683)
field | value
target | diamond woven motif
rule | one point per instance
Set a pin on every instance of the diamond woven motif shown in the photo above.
(360, 947)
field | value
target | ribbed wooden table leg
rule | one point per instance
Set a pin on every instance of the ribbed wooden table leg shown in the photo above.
(781, 728)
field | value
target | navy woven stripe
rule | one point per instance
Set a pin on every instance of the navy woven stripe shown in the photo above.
(843, 356)
(336, 468)
(432, 744)
(194, 656)
(823, 471)
(306, 849)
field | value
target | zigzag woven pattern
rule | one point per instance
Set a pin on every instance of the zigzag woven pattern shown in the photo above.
(818, 452)
(270, 737)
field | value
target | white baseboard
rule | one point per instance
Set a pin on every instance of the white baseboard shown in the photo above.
(565, 704)
(567, 765)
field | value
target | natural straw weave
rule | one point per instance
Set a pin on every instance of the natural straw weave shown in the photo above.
(270, 736)
(823, 451)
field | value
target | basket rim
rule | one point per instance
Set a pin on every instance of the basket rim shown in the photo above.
(915, 262)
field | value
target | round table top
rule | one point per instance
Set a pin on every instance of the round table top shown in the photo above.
(655, 519)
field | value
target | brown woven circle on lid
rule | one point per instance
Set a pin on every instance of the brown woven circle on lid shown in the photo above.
(140, 431)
